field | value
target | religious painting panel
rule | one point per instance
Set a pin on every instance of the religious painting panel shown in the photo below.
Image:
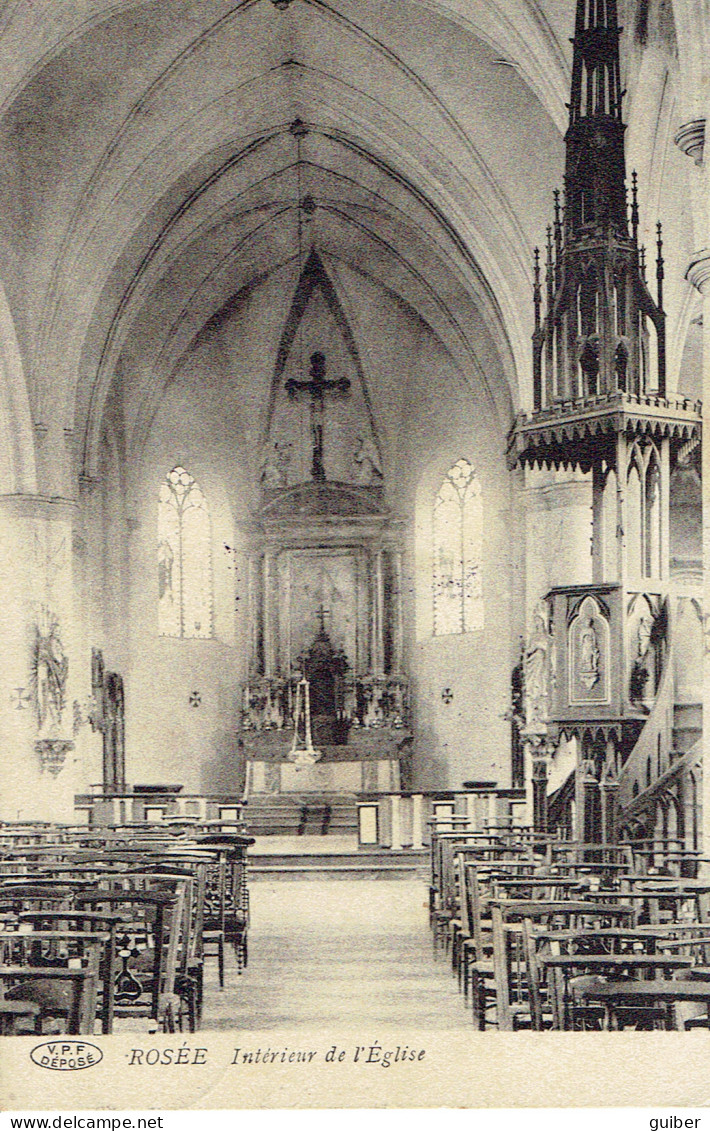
(322, 592)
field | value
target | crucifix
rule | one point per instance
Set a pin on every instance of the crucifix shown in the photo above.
(317, 387)
(321, 614)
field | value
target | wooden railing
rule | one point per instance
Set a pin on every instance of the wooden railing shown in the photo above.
(399, 821)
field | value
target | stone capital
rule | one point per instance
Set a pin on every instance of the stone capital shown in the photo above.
(690, 138)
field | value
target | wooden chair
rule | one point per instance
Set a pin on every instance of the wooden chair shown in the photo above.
(147, 951)
(63, 986)
(512, 992)
(81, 920)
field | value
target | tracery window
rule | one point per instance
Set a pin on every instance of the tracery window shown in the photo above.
(184, 558)
(457, 529)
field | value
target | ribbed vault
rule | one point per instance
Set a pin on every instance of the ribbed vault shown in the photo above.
(151, 176)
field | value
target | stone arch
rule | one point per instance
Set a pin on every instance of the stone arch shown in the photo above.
(18, 470)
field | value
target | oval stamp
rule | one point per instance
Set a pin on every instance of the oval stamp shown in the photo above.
(66, 1055)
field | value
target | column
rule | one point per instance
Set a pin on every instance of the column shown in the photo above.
(253, 613)
(690, 138)
(417, 842)
(599, 534)
(539, 791)
(664, 517)
(363, 657)
(398, 626)
(89, 590)
(377, 612)
(621, 469)
(609, 789)
(395, 800)
(590, 804)
(269, 614)
(471, 822)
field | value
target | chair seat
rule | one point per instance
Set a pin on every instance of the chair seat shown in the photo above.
(50, 997)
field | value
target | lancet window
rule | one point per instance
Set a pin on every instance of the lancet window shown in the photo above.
(457, 530)
(184, 558)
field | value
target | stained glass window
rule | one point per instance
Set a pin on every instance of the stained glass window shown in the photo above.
(458, 593)
(184, 558)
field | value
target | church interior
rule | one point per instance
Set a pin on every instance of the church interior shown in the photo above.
(351, 382)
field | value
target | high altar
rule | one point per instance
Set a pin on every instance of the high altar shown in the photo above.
(325, 597)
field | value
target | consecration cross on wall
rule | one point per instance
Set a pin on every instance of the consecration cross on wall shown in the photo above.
(317, 387)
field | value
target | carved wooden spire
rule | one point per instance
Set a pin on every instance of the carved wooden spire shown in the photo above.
(593, 338)
(595, 171)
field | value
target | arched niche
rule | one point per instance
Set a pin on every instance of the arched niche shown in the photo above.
(588, 654)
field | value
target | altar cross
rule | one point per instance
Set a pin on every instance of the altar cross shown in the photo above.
(317, 387)
(322, 613)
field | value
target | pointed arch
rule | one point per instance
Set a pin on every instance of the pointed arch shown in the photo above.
(634, 510)
(18, 471)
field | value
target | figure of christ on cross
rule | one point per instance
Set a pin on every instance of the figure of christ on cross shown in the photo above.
(317, 387)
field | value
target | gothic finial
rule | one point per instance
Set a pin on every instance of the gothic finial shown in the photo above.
(659, 264)
(549, 273)
(558, 236)
(537, 293)
(634, 205)
(642, 261)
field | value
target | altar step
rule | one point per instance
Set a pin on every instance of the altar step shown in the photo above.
(339, 865)
(301, 815)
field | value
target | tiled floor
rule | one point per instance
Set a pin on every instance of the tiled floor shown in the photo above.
(337, 953)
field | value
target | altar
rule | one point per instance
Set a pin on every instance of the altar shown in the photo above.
(325, 601)
(376, 776)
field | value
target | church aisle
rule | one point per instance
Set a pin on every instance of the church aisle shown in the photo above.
(325, 953)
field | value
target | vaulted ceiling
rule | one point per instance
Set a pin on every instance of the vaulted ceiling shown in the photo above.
(150, 170)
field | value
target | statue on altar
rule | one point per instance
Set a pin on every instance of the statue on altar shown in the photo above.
(369, 465)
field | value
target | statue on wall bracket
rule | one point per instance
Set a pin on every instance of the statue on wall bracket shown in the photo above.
(537, 669)
(49, 670)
